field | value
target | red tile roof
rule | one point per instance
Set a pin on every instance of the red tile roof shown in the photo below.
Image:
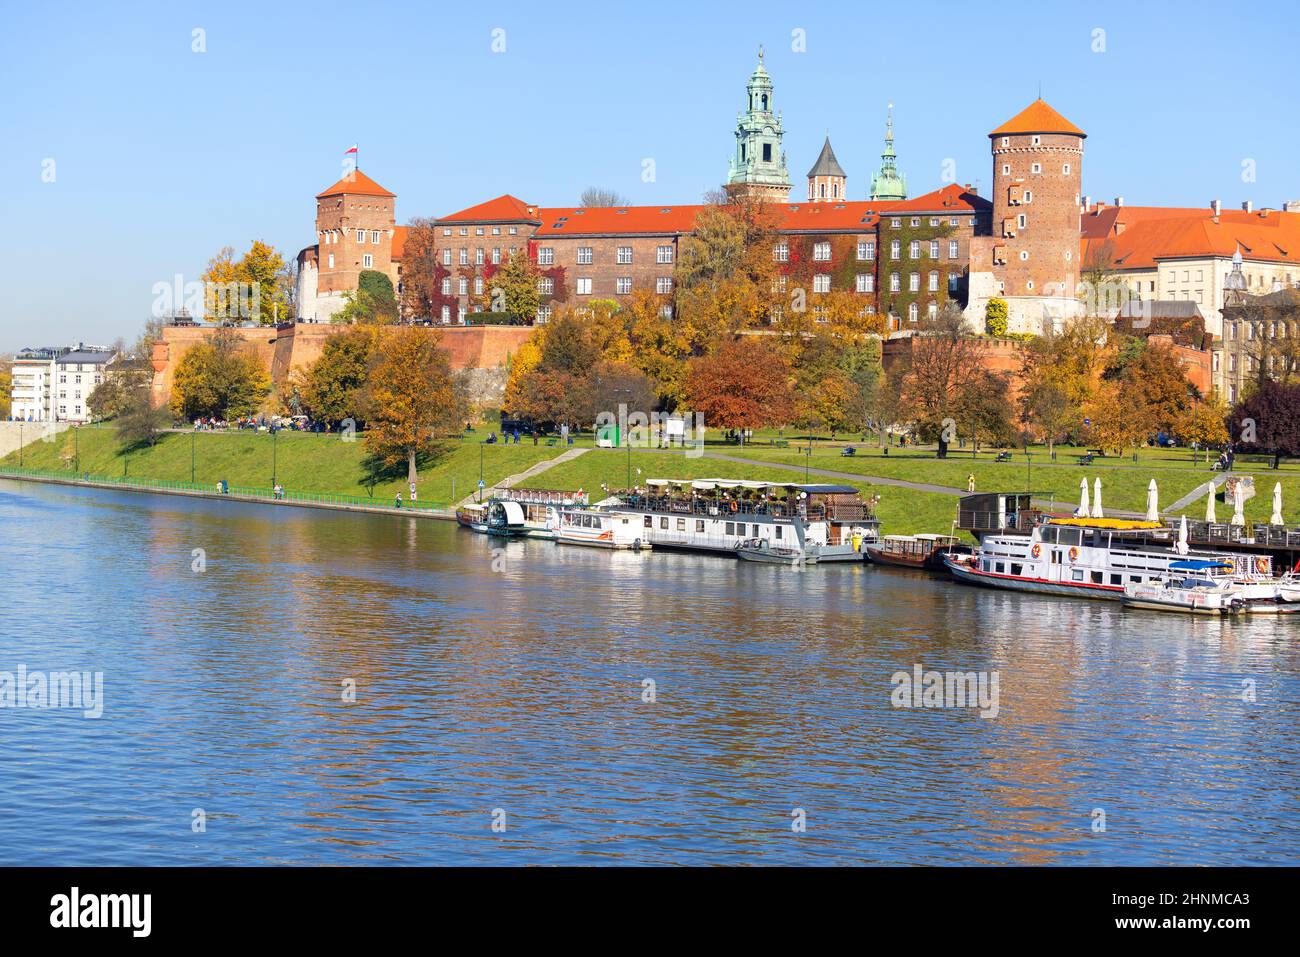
(399, 240)
(1038, 117)
(504, 208)
(355, 183)
(605, 220)
(1151, 234)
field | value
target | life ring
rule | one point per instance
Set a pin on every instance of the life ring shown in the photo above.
(1074, 553)
(1036, 550)
(1261, 565)
(735, 507)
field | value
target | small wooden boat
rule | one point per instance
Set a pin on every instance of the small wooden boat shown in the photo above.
(914, 551)
(761, 550)
(599, 528)
(473, 517)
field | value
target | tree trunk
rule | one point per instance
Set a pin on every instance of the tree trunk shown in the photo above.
(410, 463)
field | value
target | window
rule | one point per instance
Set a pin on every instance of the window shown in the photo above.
(463, 231)
(624, 255)
(544, 315)
(545, 255)
(446, 312)
(914, 282)
(649, 522)
(464, 256)
(821, 252)
(1024, 254)
(331, 266)
(1020, 221)
(913, 313)
(821, 283)
(954, 249)
(699, 525)
(1006, 169)
(478, 257)
(478, 285)
(446, 232)
(866, 249)
(894, 282)
(446, 257)
(514, 230)
(623, 285)
(934, 249)
(914, 249)
(731, 528)
(895, 223)
(584, 286)
(916, 220)
(1006, 141)
(932, 309)
(1037, 140)
(895, 249)
(681, 525)
(446, 286)
(934, 281)
(496, 256)
(781, 252)
(1065, 170)
(463, 286)
(665, 311)
(374, 237)
(546, 286)
(478, 230)
(664, 285)
(584, 255)
(1036, 168)
(663, 254)
(953, 279)
(866, 282)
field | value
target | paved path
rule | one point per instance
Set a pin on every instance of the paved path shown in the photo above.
(510, 481)
(1196, 493)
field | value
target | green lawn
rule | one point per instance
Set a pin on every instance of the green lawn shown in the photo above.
(303, 462)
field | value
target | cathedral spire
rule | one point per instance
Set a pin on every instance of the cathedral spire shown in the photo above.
(758, 167)
(889, 183)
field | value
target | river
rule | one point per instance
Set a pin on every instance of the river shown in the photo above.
(502, 710)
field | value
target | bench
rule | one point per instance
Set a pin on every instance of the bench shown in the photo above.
(552, 442)
(780, 444)
(848, 451)
(1086, 459)
(1003, 457)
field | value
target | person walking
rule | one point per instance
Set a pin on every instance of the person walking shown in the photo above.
(397, 502)
(970, 482)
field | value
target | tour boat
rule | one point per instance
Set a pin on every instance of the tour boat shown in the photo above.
(506, 519)
(473, 516)
(717, 515)
(598, 527)
(925, 551)
(1095, 558)
(1187, 590)
(761, 550)
(541, 508)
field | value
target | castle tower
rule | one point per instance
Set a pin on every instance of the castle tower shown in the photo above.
(889, 183)
(826, 179)
(757, 169)
(354, 232)
(1037, 172)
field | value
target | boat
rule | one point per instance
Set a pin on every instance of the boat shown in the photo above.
(505, 519)
(717, 515)
(924, 551)
(599, 528)
(541, 508)
(1188, 590)
(761, 550)
(1096, 558)
(473, 516)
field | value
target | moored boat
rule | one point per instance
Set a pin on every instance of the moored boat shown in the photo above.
(473, 516)
(506, 519)
(761, 550)
(1188, 590)
(599, 528)
(925, 551)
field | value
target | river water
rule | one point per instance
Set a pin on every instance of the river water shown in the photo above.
(500, 711)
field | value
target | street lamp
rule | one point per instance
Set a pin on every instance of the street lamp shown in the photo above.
(274, 435)
(193, 437)
(20, 445)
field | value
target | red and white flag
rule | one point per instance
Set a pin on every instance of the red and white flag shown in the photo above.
(350, 149)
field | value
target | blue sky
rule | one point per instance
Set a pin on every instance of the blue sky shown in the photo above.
(163, 155)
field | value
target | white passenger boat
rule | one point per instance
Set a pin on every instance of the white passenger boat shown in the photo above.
(599, 528)
(473, 516)
(540, 507)
(1094, 558)
(761, 550)
(717, 515)
(1189, 589)
(505, 519)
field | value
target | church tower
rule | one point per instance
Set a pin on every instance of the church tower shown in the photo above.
(826, 180)
(757, 169)
(889, 183)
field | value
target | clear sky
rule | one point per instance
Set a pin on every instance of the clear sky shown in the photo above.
(163, 155)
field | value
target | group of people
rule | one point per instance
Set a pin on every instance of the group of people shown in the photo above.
(1224, 463)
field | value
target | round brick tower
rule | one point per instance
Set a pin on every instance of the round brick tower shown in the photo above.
(1037, 170)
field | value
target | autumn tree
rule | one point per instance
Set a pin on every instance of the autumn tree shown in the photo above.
(331, 388)
(220, 377)
(6, 386)
(659, 345)
(1119, 417)
(138, 422)
(1047, 410)
(941, 369)
(725, 272)
(256, 287)
(520, 365)
(512, 288)
(411, 401)
(995, 317)
(1268, 420)
(423, 274)
(1202, 423)
(743, 384)
(122, 380)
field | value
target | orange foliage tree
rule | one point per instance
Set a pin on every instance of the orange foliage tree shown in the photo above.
(743, 384)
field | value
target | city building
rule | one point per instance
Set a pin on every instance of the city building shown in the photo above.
(32, 388)
(54, 384)
(1261, 333)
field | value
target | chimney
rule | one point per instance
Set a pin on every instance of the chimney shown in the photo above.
(1087, 202)
(1119, 200)
(1248, 206)
(1291, 206)
(1216, 206)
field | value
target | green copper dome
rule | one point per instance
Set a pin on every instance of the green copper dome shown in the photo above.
(759, 159)
(889, 183)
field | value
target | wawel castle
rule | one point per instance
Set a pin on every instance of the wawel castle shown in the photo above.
(906, 256)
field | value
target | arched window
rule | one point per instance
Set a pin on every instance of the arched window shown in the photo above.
(764, 102)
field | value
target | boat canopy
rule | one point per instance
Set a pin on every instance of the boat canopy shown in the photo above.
(1197, 565)
(512, 512)
(1115, 524)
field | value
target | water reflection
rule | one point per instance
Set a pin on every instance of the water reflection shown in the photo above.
(509, 675)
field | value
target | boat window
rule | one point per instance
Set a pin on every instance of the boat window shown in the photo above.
(649, 522)
(681, 525)
(1077, 574)
(987, 565)
(1049, 534)
(699, 524)
(778, 531)
(1069, 536)
(731, 528)
(663, 522)
(1016, 569)
(1097, 578)
(756, 530)
(1002, 567)
(1117, 579)
(1136, 579)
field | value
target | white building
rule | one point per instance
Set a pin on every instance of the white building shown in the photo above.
(54, 384)
(33, 385)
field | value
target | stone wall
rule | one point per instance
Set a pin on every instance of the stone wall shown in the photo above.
(16, 434)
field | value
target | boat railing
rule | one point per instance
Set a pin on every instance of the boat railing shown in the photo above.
(541, 496)
(842, 512)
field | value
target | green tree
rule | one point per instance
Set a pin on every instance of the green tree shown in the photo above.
(995, 317)
(221, 377)
(331, 389)
(372, 302)
(512, 288)
(6, 387)
(138, 422)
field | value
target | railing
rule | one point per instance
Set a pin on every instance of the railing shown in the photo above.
(1274, 536)
(540, 496)
(813, 513)
(235, 491)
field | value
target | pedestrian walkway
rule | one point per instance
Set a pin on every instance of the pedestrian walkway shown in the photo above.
(1195, 493)
(511, 481)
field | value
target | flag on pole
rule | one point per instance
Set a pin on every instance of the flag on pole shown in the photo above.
(350, 149)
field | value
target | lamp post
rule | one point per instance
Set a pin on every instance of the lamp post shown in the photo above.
(275, 434)
(20, 445)
(76, 452)
(622, 437)
(193, 437)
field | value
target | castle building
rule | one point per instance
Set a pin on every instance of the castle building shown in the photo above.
(758, 169)
(889, 184)
(827, 179)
